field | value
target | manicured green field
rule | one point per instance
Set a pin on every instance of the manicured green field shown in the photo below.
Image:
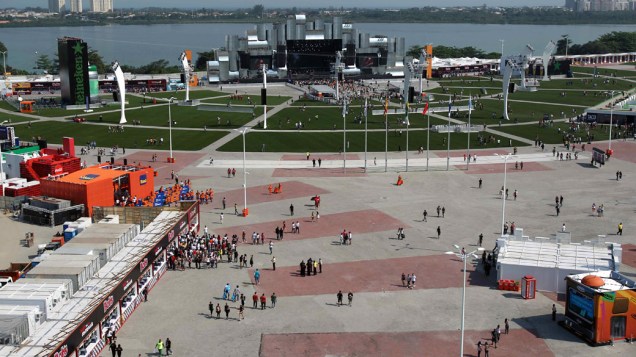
(551, 134)
(332, 142)
(180, 94)
(132, 137)
(248, 100)
(184, 116)
(607, 71)
(522, 111)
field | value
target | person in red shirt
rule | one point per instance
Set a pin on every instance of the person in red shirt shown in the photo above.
(263, 301)
(255, 300)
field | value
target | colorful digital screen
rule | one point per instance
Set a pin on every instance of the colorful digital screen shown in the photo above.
(581, 305)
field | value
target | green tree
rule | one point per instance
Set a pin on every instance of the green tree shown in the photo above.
(258, 11)
(94, 58)
(202, 58)
(3, 48)
(43, 62)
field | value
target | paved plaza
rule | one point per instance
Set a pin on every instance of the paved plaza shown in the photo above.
(385, 318)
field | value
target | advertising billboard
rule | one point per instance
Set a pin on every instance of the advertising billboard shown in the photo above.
(73, 55)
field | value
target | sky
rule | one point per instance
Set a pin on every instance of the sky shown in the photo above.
(232, 4)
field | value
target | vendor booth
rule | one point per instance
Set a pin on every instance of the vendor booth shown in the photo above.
(601, 307)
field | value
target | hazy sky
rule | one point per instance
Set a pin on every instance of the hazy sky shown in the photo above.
(298, 3)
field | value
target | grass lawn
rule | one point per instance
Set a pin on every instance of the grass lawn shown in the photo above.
(308, 102)
(551, 134)
(522, 111)
(134, 138)
(589, 84)
(332, 142)
(12, 119)
(61, 112)
(606, 71)
(255, 100)
(6, 106)
(186, 117)
(180, 94)
(324, 118)
(554, 96)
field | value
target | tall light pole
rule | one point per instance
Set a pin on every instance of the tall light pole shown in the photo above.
(2, 164)
(461, 253)
(264, 100)
(171, 158)
(502, 44)
(244, 131)
(344, 132)
(4, 64)
(503, 194)
(567, 40)
(611, 117)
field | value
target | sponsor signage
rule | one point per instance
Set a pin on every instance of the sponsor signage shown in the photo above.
(89, 177)
(108, 303)
(76, 337)
(143, 179)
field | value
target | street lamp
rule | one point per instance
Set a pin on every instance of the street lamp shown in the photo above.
(503, 194)
(461, 253)
(171, 158)
(244, 131)
(502, 45)
(611, 117)
(2, 164)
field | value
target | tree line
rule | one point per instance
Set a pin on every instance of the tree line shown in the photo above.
(613, 42)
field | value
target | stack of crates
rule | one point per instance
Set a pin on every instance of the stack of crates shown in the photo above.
(508, 285)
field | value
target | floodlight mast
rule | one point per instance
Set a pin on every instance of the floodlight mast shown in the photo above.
(121, 85)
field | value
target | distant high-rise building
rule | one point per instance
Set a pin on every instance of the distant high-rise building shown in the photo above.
(75, 6)
(58, 6)
(600, 5)
(101, 5)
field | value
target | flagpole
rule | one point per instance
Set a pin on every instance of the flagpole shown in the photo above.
(448, 139)
(386, 136)
(366, 118)
(344, 136)
(407, 137)
(428, 134)
(470, 104)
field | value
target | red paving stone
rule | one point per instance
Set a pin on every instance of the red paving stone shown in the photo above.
(623, 150)
(518, 342)
(163, 168)
(432, 272)
(260, 194)
(629, 255)
(324, 157)
(558, 298)
(499, 168)
(329, 225)
(312, 172)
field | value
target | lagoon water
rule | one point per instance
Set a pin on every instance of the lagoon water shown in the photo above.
(141, 44)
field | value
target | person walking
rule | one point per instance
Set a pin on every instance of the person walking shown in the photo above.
(227, 311)
(486, 352)
(211, 308)
(506, 326)
(263, 301)
(221, 217)
(218, 311)
(425, 214)
(620, 229)
(558, 210)
(236, 212)
(271, 247)
(443, 212)
(241, 316)
(350, 297)
(168, 347)
(113, 348)
(120, 350)
(479, 349)
(403, 280)
(273, 300)
(291, 209)
(159, 348)
(257, 276)
(255, 301)
(439, 231)
(554, 312)
(481, 238)
(480, 182)
(273, 262)
(339, 296)
(223, 203)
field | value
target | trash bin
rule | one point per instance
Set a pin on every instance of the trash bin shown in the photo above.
(528, 287)
(246, 211)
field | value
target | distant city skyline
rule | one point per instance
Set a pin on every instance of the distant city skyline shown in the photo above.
(231, 4)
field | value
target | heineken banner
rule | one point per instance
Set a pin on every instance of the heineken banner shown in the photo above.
(73, 54)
